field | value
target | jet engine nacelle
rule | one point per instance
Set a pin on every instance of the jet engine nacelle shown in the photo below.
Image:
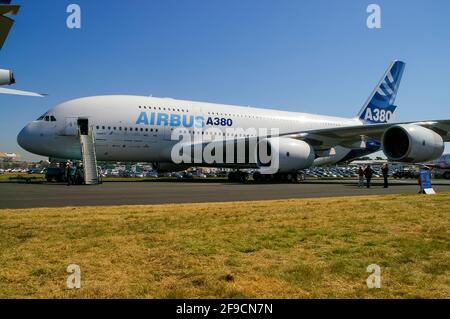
(6, 77)
(286, 155)
(412, 144)
(167, 167)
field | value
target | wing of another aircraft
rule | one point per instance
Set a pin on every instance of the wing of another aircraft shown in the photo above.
(5, 22)
(352, 135)
(18, 92)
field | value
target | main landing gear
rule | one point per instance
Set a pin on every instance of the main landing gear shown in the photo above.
(238, 176)
(242, 177)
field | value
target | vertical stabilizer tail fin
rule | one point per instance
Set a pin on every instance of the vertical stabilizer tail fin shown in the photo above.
(380, 106)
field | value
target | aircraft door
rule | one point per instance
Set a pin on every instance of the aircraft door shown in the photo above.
(83, 125)
(168, 133)
(70, 126)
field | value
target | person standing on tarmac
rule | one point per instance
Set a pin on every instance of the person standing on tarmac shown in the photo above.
(67, 172)
(368, 173)
(385, 172)
(80, 174)
(360, 177)
(73, 174)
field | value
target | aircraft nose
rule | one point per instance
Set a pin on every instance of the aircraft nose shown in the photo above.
(25, 139)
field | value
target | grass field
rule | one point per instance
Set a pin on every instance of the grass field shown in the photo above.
(292, 249)
(21, 177)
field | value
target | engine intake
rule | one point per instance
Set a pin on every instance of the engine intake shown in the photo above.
(412, 144)
(6, 77)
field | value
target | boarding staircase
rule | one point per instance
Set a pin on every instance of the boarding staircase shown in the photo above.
(89, 157)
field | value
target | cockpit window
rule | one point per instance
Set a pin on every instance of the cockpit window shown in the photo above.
(47, 118)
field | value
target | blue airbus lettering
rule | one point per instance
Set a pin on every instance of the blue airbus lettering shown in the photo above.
(177, 120)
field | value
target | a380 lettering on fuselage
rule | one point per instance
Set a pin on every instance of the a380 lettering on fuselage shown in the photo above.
(178, 120)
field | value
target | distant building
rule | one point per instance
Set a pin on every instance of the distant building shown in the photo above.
(9, 157)
(11, 160)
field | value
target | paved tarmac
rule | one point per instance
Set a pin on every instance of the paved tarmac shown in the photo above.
(147, 193)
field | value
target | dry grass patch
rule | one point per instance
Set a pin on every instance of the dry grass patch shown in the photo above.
(292, 248)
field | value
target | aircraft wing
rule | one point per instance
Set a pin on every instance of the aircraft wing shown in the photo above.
(350, 136)
(18, 92)
(5, 22)
(9, 9)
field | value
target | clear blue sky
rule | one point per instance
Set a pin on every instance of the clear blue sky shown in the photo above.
(309, 56)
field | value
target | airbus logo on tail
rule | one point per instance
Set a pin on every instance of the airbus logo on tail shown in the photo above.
(388, 88)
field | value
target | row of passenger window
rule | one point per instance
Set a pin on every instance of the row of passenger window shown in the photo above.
(211, 113)
(215, 133)
(141, 129)
(131, 129)
(163, 109)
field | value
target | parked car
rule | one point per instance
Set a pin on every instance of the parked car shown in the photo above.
(405, 174)
(222, 174)
(34, 171)
(198, 175)
(151, 174)
(125, 174)
(178, 175)
(183, 175)
(442, 174)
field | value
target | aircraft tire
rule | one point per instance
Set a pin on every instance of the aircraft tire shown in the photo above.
(257, 176)
(298, 178)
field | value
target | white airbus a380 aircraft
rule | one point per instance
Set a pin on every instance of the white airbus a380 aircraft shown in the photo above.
(140, 129)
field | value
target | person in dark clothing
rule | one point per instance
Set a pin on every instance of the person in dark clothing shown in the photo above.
(80, 174)
(368, 173)
(67, 173)
(385, 172)
(360, 177)
(73, 175)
